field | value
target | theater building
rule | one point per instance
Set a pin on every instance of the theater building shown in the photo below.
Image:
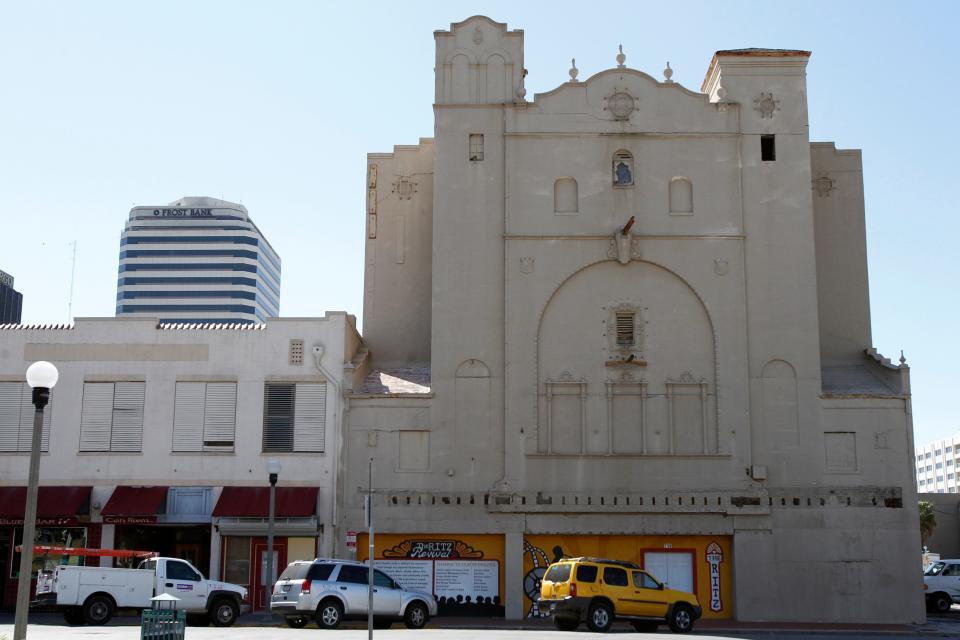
(629, 318)
(156, 439)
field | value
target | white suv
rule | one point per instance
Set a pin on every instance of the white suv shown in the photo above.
(331, 591)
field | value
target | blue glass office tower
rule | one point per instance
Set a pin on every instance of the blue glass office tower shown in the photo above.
(197, 260)
(11, 302)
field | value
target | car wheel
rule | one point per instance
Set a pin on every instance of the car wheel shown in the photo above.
(224, 612)
(941, 602)
(329, 614)
(198, 620)
(415, 616)
(681, 619)
(599, 617)
(73, 617)
(565, 624)
(297, 622)
(645, 626)
(97, 610)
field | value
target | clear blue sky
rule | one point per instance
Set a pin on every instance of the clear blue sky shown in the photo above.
(275, 104)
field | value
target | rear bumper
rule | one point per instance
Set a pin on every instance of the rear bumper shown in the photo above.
(573, 607)
(45, 601)
(284, 607)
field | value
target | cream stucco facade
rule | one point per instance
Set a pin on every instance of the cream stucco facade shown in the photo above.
(627, 308)
(178, 414)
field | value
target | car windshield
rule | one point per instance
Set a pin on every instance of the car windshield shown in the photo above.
(935, 569)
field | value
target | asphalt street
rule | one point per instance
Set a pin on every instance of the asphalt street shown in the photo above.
(50, 627)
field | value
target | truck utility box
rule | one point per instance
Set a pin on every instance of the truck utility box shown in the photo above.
(92, 595)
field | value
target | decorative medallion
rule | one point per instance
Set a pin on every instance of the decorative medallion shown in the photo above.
(621, 104)
(824, 185)
(721, 266)
(526, 264)
(477, 36)
(404, 187)
(766, 104)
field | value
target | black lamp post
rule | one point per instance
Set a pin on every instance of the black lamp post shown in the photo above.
(273, 473)
(41, 376)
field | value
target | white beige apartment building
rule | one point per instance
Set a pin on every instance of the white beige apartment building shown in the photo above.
(156, 439)
(937, 465)
(628, 318)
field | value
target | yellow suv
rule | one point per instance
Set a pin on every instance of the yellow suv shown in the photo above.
(598, 591)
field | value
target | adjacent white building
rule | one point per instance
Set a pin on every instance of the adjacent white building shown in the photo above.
(157, 435)
(937, 465)
(197, 260)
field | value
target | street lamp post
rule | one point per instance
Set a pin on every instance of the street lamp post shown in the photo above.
(273, 472)
(41, 376)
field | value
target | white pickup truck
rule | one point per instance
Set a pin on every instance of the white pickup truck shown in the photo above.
(91, 595)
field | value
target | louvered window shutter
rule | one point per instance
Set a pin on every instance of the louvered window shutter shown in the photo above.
(10, 393)
(278, 403)
(127, 432)
(96, 416)
(220, 415)
(188, 416)
(310, 417)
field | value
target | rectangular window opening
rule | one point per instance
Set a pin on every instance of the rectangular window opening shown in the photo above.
(768, 148)
(476, 147)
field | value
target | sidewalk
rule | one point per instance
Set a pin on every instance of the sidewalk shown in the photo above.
(934, 627)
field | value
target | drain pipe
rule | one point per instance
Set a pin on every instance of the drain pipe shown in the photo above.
(318, 351)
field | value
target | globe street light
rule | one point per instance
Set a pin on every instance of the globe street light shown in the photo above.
(273, 472)
(41, 376)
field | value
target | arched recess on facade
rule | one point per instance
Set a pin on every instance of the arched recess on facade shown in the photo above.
(498, 76)
(458, 76)
(779, 405)
(474, 436)
(681, 195)
(673, 366)
(566, 195)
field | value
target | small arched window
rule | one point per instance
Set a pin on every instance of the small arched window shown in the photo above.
(681, 196)
(565, 196)
(622, 168)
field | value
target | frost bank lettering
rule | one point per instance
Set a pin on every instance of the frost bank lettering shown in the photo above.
(183, 213)
(431, 549)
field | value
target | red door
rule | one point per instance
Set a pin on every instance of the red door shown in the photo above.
(260, 576)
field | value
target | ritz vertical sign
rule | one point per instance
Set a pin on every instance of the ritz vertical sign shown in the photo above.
(714, 556)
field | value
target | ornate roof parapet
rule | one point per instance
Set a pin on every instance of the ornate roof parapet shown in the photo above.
(36, 327)
(896, 375)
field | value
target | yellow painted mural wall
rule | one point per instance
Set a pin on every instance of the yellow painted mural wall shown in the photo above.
(467, 547)
(712, 572)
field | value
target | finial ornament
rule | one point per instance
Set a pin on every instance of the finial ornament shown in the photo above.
(573, 70)
(621, 58)
(668, 72)
(522, 90)
(903, 359)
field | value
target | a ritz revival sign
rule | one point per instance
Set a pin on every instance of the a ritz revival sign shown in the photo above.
(183, 213)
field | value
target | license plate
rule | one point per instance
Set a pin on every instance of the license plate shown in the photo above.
(286, 588)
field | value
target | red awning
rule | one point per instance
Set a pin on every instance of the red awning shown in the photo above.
(134, 505)
(55, 505)
(254, 502)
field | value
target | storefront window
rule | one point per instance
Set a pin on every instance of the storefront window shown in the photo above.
(54, 537)
(236, 565)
